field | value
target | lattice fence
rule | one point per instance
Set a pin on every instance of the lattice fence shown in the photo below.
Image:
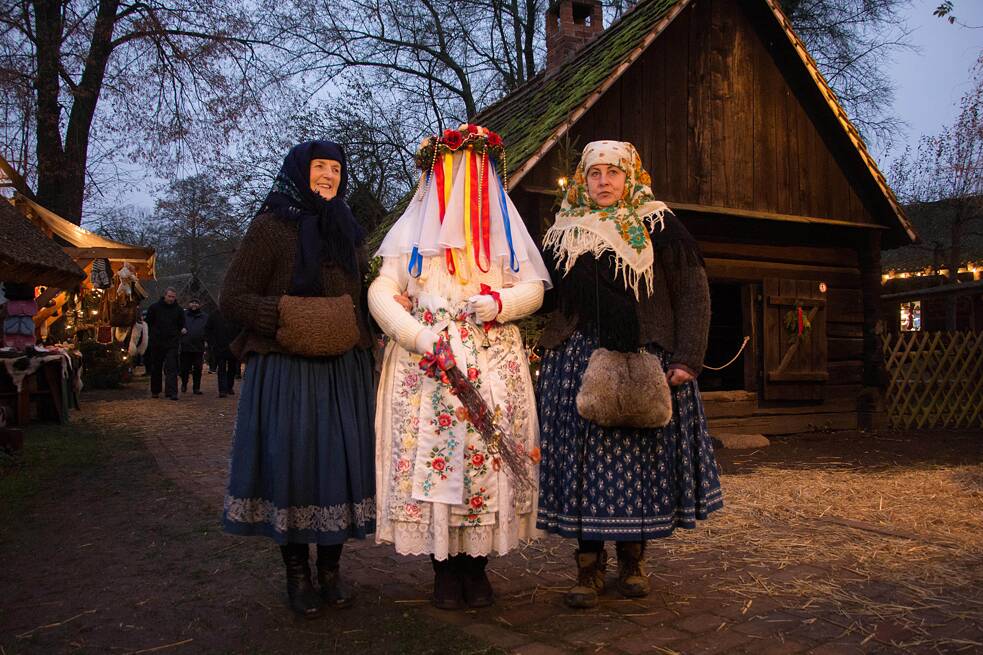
(936, 379)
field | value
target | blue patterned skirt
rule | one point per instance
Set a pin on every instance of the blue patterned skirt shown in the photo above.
(619, 484)
(303, 462)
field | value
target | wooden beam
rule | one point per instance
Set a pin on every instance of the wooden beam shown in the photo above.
(755, 271)
(769, 216)
(135, 253)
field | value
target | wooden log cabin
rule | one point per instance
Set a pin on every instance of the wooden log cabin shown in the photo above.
(747, 143)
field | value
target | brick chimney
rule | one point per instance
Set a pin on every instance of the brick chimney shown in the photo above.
(570, 25)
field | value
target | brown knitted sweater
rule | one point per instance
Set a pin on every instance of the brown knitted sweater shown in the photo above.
(260, 275)
(676, 316)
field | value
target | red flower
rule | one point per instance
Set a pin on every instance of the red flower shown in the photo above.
(444, 420)
(472, 373)
(477, 502)
(494, 140)
(472, 128)
(428, 317)
(453, 139)
(477, 460)
(464, 333)
(472, 517)
(438, 464)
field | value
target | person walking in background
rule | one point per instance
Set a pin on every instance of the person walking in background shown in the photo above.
(165, 318)
(220, 332)
(193, 346)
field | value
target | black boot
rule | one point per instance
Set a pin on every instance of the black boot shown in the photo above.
(334, 591)
(477, 587)
(304, 601)
(448, 592)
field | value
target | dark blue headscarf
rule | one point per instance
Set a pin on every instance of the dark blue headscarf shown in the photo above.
(327, 232)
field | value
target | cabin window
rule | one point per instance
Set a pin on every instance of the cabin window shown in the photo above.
(911, 316)
(726, 335)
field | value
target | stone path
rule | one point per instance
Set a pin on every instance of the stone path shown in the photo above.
(709, 596)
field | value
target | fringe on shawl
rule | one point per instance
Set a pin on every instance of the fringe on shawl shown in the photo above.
(570, 242)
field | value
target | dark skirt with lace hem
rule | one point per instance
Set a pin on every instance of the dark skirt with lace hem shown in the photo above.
(619, 484)
(303, 465)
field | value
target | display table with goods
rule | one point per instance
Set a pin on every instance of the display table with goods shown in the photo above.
(50, 377)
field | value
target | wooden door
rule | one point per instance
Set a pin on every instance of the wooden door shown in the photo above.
(794, 357)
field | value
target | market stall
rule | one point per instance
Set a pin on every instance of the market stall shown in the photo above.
(32, 266)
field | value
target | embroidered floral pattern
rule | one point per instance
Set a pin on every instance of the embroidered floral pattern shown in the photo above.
(332, 518)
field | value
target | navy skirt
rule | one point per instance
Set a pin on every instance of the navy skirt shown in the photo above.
(619, 484)
(303, 463)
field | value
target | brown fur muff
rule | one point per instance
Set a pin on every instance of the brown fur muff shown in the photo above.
(625, 390)
(317, 327)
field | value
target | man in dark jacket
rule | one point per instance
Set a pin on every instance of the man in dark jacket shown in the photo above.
(193, 346)
(165, 318)
(220, 332)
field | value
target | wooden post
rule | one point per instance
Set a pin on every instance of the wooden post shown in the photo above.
(870, 404)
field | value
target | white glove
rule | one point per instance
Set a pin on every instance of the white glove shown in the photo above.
(425, 341)
(485, 308)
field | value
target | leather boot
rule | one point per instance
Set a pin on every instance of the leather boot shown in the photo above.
(477, 587)
(304, 601)
(334, 591)
(632, 581)
(448, 590)
(590, 580)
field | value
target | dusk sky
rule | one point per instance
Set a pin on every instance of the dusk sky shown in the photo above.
(932, 80)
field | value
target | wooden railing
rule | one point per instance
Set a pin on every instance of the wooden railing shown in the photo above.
(936, 379)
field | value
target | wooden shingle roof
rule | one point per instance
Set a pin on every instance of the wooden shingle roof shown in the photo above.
(27, 256)
(534, 116)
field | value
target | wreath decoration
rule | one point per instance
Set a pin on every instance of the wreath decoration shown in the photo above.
(797, 323)
(468, 135)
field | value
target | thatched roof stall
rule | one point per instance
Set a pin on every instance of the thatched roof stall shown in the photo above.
(27, 256)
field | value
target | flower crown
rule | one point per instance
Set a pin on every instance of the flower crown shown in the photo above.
(468, 135)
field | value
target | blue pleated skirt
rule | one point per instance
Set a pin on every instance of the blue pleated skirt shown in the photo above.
(600, 483)
(303, 464)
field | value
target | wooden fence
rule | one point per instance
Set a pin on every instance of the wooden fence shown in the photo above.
(936, 379)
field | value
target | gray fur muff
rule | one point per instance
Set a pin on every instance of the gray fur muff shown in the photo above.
(625, 390)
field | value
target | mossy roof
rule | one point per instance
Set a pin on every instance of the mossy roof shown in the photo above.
(531, 114)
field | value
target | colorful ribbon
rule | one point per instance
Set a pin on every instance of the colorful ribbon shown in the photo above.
(513, 260)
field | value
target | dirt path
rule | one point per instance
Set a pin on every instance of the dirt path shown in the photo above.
(833, 544)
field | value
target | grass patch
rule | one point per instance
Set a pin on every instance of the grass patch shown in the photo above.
(50, 453)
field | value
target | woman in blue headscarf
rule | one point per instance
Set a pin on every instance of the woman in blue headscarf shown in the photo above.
(302, 465)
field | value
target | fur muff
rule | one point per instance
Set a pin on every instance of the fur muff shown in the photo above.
(625, 390)
(316, 326)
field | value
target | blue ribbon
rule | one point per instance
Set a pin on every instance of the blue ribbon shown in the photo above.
(513, 262)
(416, 259)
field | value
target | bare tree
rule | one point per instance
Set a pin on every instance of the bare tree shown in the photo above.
(850, 41)
(199, 229)
(946, 170)
(453, 57)
(141, 77)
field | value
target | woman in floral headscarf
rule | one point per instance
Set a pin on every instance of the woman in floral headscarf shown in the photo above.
(628, 275)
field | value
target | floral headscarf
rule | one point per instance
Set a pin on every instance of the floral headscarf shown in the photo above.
(623, 228)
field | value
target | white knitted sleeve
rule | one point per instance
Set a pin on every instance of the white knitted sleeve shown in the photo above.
(389, 314)
(521, 300)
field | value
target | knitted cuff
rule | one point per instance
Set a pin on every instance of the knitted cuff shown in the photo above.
(683, 367)
(266, 315)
